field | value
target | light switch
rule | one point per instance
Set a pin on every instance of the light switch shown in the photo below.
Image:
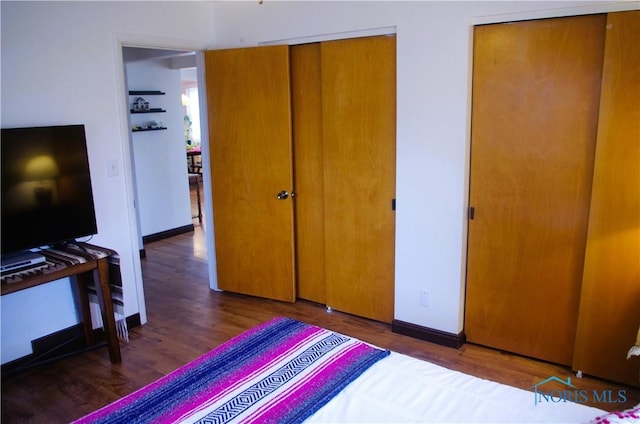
(112, 167)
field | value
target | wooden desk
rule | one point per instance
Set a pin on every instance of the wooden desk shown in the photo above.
(100, 270)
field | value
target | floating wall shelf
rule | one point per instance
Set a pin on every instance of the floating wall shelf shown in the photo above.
(153, 110)
(146, 93)
(148, 129)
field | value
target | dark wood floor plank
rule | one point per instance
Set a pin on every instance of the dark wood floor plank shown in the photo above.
(186, 319)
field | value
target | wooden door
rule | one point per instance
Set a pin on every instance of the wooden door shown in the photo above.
(251, 162)
(610, 299)
(358, 112)
(306, 102)
(536, 89)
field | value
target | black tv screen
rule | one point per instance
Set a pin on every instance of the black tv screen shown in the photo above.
(46, 187)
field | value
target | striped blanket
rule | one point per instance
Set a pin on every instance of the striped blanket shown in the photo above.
(66, 254)
(279, 372)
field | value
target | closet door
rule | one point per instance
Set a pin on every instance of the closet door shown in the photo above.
(536, 90)
(251, 162)
(358, 112)
(306, 102)
(610, 301)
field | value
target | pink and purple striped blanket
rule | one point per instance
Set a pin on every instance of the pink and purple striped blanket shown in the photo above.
(279, 372)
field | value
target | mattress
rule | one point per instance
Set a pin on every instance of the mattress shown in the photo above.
(402, 389)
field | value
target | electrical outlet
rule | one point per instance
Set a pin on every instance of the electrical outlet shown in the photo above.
(424, 298)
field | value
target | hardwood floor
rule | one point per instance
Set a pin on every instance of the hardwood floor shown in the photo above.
(187, 319)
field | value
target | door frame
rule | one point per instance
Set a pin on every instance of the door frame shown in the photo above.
(121, 40)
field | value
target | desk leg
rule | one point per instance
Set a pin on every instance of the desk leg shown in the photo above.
(104, 297)
(198, 199)
(82, 298)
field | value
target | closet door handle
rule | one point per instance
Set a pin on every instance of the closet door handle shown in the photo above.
(282, 195)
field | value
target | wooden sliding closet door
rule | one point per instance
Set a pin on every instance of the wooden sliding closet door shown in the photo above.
(536, 91)
(251, 162)
(610, 302)
(306, 102)
(358, 112)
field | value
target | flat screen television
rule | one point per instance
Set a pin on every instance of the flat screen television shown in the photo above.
(46, 187)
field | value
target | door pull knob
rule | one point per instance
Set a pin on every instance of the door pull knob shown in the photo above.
(282, 195)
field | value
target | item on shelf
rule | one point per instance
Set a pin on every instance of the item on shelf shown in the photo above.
(140, 105)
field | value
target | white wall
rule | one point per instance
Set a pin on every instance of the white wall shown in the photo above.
(159, 156)
(433, 76)
(61, 63)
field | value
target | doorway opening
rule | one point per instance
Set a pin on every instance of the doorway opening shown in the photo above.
(165, 140)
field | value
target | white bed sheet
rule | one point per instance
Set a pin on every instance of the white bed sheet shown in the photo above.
(401, 389)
